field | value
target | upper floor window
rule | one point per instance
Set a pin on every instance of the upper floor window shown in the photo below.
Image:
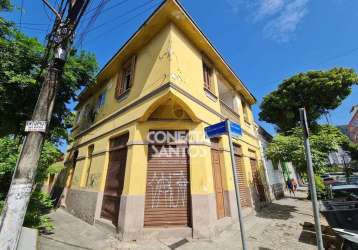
(208, 76)
(101, 100)
(125, 77)
(79, 115)
(245, 111)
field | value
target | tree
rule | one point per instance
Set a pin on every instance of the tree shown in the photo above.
(40, 202)
(20, 78)
(317, 91)
(9, 151)
(5, 5)
(289, 147)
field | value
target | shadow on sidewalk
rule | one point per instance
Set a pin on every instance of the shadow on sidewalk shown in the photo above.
(277, 211)
(330, 239)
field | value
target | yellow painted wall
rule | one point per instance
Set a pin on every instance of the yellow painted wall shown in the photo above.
(152, 70)
(169, 56)
(187, 64)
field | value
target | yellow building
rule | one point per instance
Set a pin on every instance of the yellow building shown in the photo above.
(140, 159)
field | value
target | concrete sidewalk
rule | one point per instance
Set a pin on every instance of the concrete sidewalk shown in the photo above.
(285, 224)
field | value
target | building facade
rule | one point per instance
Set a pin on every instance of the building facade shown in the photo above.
(353, 125)
(140, 159)
(275, 174)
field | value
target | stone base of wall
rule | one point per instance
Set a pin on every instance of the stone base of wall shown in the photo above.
(86, 206)
(203, 215)
(278, 190)
(82, 204)
(131, 217)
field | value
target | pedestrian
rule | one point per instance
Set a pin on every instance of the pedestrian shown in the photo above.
(294, 184)
(290, 187)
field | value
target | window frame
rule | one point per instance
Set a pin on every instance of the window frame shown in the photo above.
(101, 103)
(208, 76)
(245, 113)
(123, 87)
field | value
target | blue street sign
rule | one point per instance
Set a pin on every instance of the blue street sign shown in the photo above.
(220, 128)
(235, 129)
(216, 129)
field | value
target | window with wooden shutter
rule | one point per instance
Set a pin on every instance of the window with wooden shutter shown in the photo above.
(245, 110)
(208, 72)
(125, 77)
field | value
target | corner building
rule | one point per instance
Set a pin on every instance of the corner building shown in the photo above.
(167, 82)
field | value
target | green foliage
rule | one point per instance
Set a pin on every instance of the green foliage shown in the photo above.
(324, 139)
(55, 168)
(322, 191)
(5, 5)
(9, 151)
(352, 148)
(319, 183)
(21, 78)
(40, 204)
(317, 91)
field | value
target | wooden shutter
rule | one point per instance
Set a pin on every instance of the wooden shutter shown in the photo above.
(133, 61)
(115, 179)
(217, 177)
(245, 197)
(167, 200)
(119, 85)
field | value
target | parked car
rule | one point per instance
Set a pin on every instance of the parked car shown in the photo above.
(340, 214)
(329, 181)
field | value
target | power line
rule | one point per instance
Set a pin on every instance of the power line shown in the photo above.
(93, 19)
(344, 54)
(33, 24)
(22, 7)
(30, 28)
(106, 9)
(120, 16)
(123, 23)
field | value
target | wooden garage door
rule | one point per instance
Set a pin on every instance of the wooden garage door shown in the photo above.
(167, 201)
(216, 164)
(245, 197)
(115, 179)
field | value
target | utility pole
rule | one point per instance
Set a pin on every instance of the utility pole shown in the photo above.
(18, 197)
(311, 179)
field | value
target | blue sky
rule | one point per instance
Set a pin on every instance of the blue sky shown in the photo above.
(265, 41)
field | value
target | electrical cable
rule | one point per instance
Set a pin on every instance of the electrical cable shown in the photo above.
(123, 23)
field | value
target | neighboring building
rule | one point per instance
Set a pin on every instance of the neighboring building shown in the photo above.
(339, 158)
(353, 125)
(277, 172)
(140, 158)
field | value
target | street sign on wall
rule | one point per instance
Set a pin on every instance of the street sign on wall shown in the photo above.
(221, 128)
(216, 130)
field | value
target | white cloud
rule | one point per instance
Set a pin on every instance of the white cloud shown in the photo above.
(269, 7)
(283, 27)
(279, 18)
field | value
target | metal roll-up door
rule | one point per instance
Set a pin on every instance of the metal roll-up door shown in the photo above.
(167, 201)
(245, 197)
(217, 177)
(115, 179)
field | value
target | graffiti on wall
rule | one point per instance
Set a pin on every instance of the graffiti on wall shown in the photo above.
(170, 188)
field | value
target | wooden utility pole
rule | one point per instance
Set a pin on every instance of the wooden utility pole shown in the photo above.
(18, 197)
